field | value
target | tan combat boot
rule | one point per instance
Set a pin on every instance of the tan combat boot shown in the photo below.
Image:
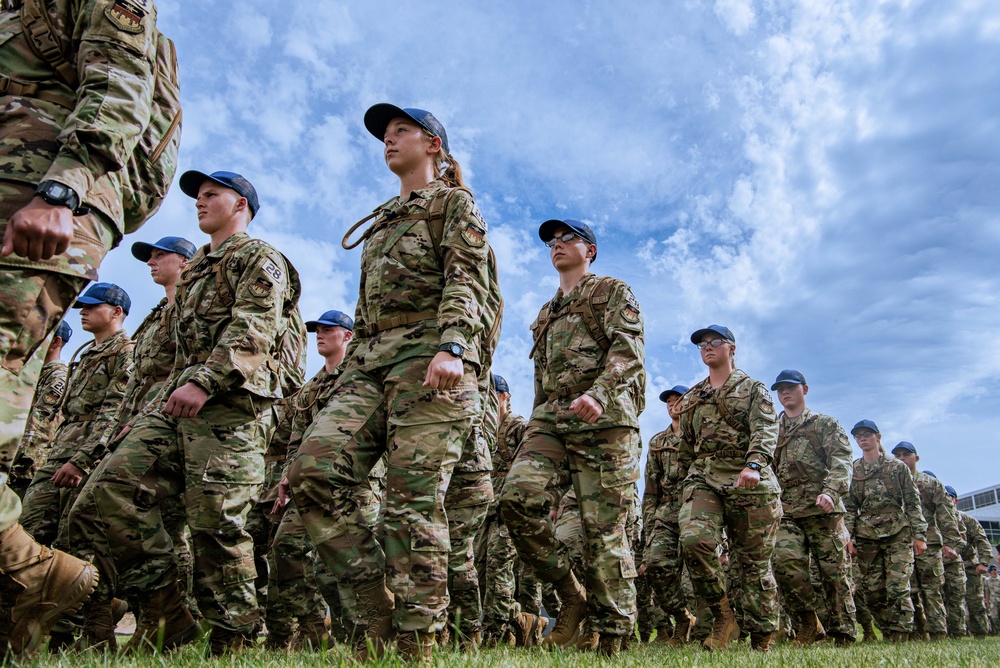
(809, 629)
(278, 641)
(226, 642)
(868, 628)
(527, 629)
(375, 609)
(470, 642)
(762, 642)
(609, 645)
(725, 628)
(899, 636)
(587, 640)
(684, 621)
(314, 635)
(99, 628)
(415, 646)
(41, 585)
(166, 622)
(574, 610)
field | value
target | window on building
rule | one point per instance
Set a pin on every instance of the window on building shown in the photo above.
(966, 504)
(992, 531)
(987, 498)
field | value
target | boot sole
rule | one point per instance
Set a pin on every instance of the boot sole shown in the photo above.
(29, 634)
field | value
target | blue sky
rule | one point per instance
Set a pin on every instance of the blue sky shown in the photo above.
(819, 176)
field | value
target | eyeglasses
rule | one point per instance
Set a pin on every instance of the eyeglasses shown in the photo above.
(565, 238)
(715, 343)
(861, 435)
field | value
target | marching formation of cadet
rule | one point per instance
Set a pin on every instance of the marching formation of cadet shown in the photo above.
(395, 498)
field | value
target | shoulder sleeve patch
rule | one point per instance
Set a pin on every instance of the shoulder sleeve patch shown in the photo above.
(127, 15)
(474, 235)
(272, 270)
(631, 313)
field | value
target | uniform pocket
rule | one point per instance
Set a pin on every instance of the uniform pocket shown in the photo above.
(429, 406)
(621, 471)
(243, 468)
(429, 538)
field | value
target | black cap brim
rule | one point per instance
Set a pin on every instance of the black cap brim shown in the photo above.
(378, 117)
(191, 181)
(665, 394)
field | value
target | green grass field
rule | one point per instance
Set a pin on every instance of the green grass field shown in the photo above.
(966, 652)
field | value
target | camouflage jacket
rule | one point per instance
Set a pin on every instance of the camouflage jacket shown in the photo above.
(83, 137)
(716, 451)
(570, 362)
(661, 499)
(991, 589)
(813, 457)
(977, 548)
(883, 500)
(508, 440)
(939, 511)
(92, 401)
(153, 358)
(301, 411)
(44, 419)
(402, 278)
(223, 346)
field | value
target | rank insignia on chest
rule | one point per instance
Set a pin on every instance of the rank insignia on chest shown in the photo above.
(474, 236)
(126, 15)
(631, 313)
(260, 288)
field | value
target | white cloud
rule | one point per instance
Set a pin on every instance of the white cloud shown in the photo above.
(737, 15)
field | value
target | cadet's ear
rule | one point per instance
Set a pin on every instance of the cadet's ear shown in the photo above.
(805, 390)
(348, 336)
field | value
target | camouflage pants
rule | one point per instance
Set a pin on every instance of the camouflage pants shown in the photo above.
(33, 300)
(886, 566)
(215, 460)
(928, 583)
(45, 506)
(293, 592)
(500, 606)
(954, 596)
(978, 622)
(468, 501)
(664, 563)
(603, 467)
(423, 431)
(819, 539)
(751, 523)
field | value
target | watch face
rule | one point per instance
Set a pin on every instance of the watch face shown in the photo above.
(58, 190)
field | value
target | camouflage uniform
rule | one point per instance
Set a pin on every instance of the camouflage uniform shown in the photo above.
(410, 303)
(44, 419)
(714, 452)
(813, 457)
(884, 518)
(214, 459)
(991, 585)
(79, 137)
(154, 361)
(501, 562)
(602, 458)
(468, 501)
(295, 594)
(928, 568)
(90, 409)
(661, 505)
(977, 551)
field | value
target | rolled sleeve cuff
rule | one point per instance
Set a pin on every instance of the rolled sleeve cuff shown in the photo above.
(601, 395)
(83, 462)
(69, 172)
(206, 380)
(832, 494)
(456, 335)
(758, 459)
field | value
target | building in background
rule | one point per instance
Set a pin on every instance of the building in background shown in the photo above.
(984, 505)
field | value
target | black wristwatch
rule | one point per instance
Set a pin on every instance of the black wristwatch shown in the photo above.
(57, 194)
(754, 466)
(453, 349)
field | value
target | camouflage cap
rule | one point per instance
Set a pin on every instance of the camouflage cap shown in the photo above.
(104, 293)
(64, 331)
(378, 117)
(679, 390)
(143, 251)
(331, 319)
(191, 181)
(721, 330)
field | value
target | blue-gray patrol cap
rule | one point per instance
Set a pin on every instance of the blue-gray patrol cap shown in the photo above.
(790, 376)
(951, 491)
(993, 567)
(679, 390)
(931, 474)
(865, 424)
(191, 181)
(904, 446)
(378, 117)
(104, 293)
(721, 330)
(64, 331)
(143, 251)
(332, 319)
(500, 383)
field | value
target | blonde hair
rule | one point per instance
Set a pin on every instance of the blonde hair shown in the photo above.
(446, 167)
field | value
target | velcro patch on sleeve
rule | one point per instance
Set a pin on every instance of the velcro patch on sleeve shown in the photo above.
(127, 15)
(474, 236)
